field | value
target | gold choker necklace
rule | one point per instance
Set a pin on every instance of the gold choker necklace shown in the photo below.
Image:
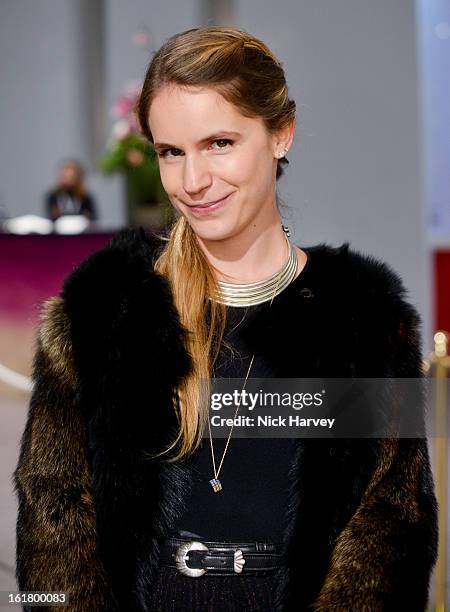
(250, 294)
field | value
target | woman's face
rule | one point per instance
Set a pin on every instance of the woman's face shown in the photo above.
(68, 175)
(208, 151)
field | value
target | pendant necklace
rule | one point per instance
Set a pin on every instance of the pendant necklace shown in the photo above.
(250, 294)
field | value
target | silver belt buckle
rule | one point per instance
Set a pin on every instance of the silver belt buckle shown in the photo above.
(182, 554)
(181, 557)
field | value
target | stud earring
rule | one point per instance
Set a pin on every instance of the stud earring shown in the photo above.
(282, 153)
(286, 230)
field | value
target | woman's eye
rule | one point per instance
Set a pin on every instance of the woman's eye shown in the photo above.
(164, 152)
(226, 140)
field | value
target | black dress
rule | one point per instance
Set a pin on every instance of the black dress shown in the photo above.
(251, 506)
(65, 202)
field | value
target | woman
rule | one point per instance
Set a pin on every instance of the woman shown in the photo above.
(70, 197)
(122, 501)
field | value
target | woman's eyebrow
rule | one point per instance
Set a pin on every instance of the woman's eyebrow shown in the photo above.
(165, 145)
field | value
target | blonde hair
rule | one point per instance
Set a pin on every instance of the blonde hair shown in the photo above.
(247, 74)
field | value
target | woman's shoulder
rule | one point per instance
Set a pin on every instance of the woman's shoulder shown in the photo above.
(119, 269)
(108, 301)
(345, 268)
(127, 255)
(365, 296)
(109, 285)
(365, 285)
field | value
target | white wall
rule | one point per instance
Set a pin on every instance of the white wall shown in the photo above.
(355, 167)
(40, 90)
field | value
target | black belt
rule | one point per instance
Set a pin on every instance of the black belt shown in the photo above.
(194, 557)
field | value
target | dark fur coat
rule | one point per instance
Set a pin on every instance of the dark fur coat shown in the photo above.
(362, 528)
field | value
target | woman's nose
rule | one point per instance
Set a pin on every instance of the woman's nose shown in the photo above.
(196, 176)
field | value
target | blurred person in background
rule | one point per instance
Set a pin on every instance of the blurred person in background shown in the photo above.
(69, 196)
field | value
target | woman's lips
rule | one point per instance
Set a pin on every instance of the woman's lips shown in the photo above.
(207, 209)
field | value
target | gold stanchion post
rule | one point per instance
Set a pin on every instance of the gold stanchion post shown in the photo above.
(438, 363)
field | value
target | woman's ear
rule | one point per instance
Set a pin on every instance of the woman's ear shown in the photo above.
(283, 138)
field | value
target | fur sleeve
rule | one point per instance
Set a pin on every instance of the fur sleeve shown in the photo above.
(56, 533)
(383, 558)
